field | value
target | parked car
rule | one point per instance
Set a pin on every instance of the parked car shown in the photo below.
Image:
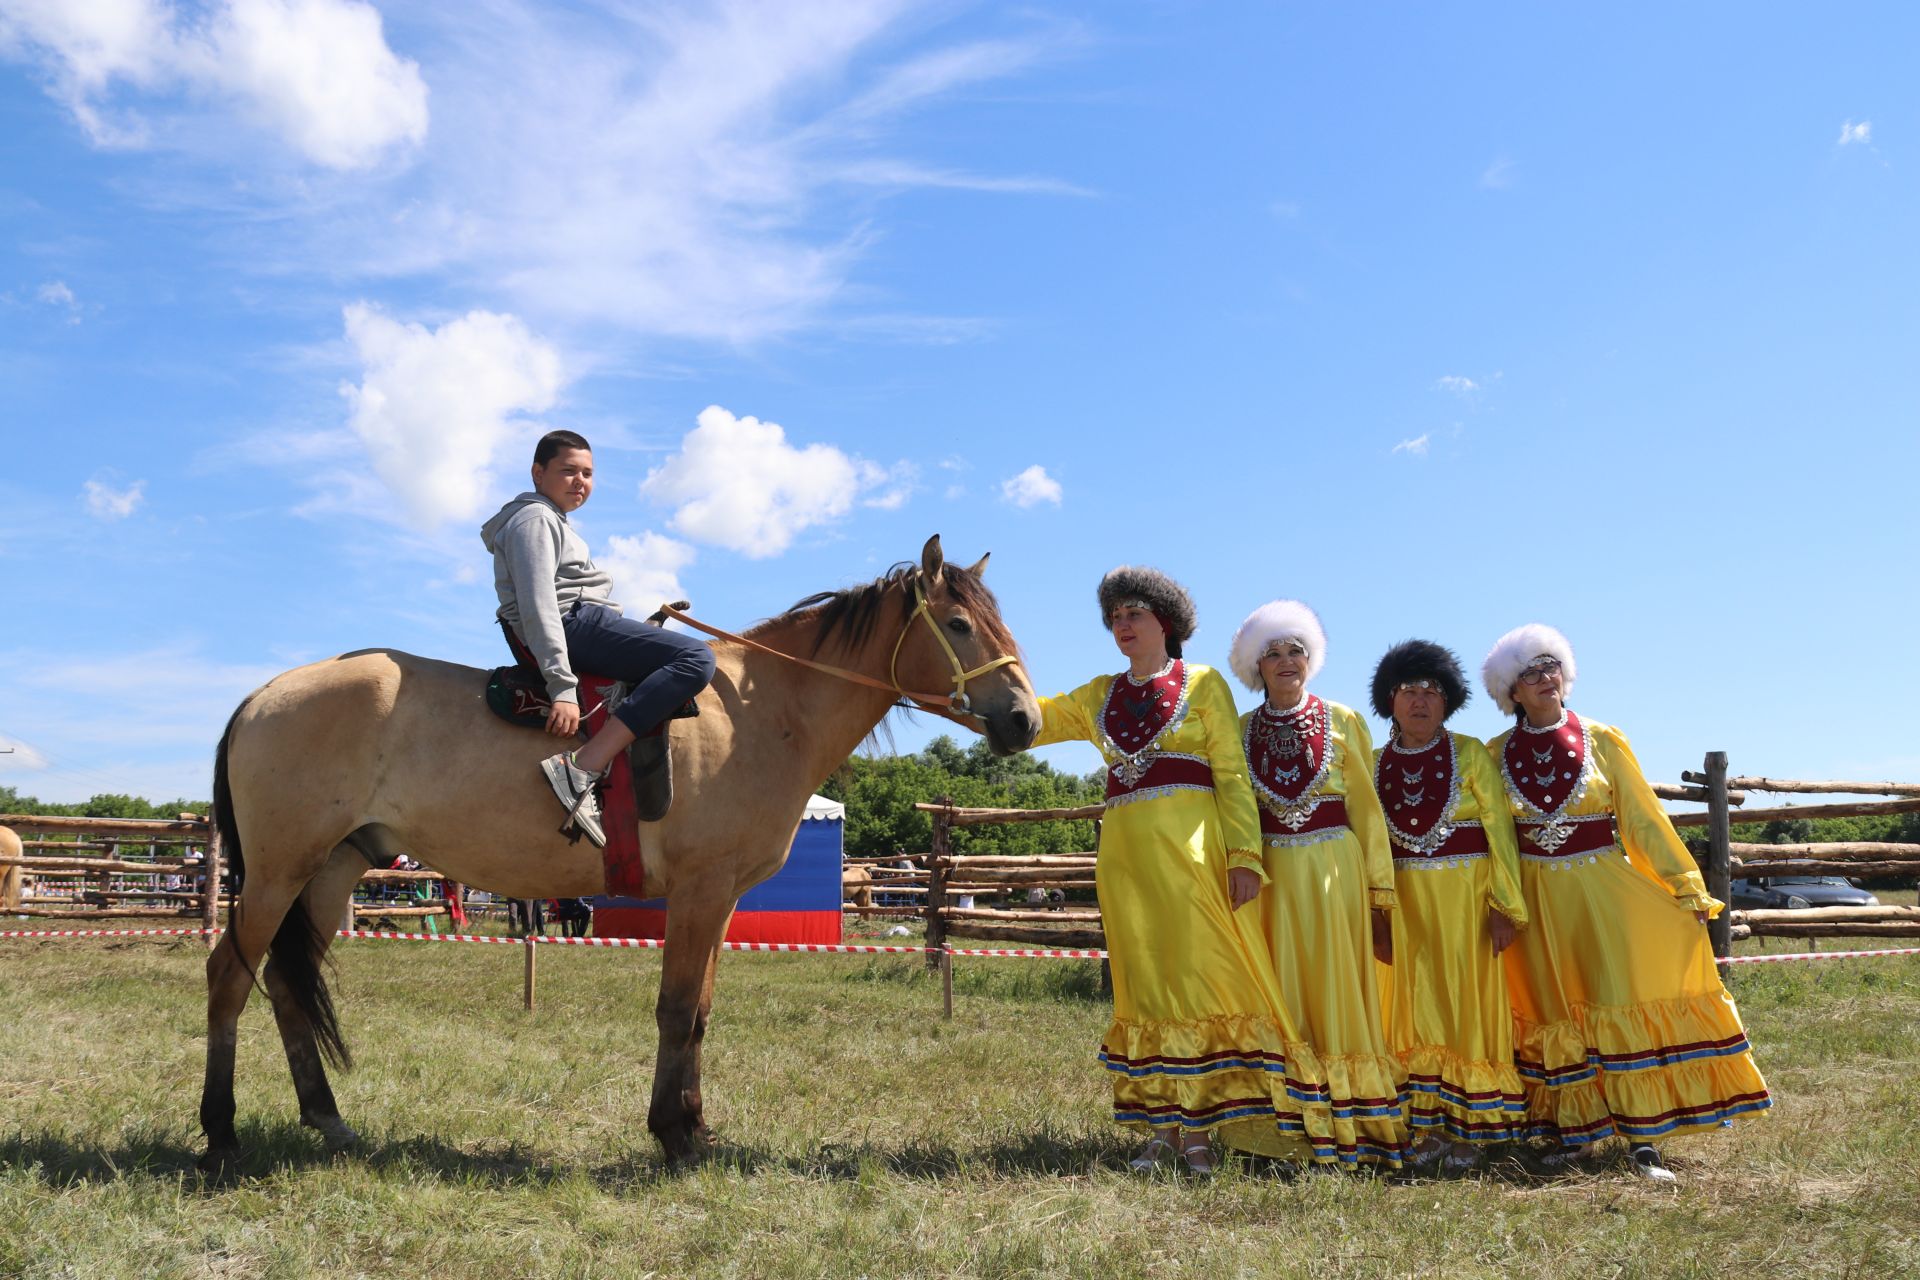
(1796, 893)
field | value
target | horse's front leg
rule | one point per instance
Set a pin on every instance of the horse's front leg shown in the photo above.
(696, 923)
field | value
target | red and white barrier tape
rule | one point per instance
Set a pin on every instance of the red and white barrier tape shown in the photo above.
(655, 944)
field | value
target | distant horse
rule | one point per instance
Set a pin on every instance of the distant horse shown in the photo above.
(332, 767)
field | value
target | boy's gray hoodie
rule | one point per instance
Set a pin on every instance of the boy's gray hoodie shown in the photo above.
(540, 570)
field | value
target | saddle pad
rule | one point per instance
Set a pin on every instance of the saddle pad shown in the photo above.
(619, 811)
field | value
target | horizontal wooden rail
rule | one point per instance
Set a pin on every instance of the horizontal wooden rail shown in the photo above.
(1883, 929)
(979, 817)
(42, 863)
(1065, 916)
(111, 826)
(1861, 809)
(1031, 935)
(1786, 785)
(1698, 795)
(969, 864)
(1829, 915)
(1838, 850)
(1819, 867)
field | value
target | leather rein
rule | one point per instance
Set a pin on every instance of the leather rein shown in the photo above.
(950, 704)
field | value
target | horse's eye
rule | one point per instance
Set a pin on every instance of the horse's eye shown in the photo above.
(959, 626)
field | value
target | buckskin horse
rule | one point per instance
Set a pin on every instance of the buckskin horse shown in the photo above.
(330, 767)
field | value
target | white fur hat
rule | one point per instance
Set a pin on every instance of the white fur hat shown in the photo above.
(1515, 651)
(1276, 620)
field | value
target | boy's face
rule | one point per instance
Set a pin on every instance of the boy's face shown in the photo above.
(567, 479)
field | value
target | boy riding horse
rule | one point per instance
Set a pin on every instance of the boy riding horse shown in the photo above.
(556, 603)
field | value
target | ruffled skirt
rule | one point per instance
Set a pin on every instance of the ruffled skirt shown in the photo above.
(1621, 1023)
(1199, 1037)
(1448, 1019)
(1319, 926)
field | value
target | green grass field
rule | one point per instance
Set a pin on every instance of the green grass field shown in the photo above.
(862, 1136)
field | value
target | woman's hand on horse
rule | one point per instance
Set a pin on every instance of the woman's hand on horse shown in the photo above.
(1243, 886)
(563, 721)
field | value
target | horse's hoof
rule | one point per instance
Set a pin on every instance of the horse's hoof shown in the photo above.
(334, 1132)
(218, 1161)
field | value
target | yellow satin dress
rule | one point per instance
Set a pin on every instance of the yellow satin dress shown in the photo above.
(1317, 913)
(1448, 1017)
(1621, 1023)
(1199, 1037)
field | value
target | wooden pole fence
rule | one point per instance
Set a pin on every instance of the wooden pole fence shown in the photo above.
(1789, 785)
(1862, 809)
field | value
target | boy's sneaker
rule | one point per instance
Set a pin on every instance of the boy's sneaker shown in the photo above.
(574, 787)
(1647, 1163)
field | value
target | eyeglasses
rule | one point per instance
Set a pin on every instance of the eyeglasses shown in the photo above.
(1540, 670)
(1287, 647)
(1419, 686)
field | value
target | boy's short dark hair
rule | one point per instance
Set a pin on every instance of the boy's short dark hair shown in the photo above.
(553, 442)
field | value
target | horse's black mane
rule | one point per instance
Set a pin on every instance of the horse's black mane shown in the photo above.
(852, 612)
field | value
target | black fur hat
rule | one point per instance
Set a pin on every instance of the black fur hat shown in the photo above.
(1418, 660)
(1157, 592)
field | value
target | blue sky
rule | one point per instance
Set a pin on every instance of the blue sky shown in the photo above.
(1443, 321)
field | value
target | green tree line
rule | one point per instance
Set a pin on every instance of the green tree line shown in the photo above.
(880, 794)
(104, 805)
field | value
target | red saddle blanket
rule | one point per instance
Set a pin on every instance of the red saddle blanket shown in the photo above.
(517, 694)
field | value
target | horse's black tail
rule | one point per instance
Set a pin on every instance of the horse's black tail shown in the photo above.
(298, 946)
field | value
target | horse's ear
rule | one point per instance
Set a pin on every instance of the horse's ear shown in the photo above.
(979, 569)
(932, 559)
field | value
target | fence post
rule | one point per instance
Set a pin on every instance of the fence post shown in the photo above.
(529, 943)
(937, 882)
(210, 867)
(1719, 854)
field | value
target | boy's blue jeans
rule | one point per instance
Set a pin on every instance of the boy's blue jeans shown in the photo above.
(664, 667)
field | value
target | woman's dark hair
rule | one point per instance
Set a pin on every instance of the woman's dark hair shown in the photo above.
(1173, 646)
(553, 442)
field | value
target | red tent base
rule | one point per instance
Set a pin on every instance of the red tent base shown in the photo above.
(747, 926)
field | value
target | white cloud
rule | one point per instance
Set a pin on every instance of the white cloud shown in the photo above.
(108, 503)
(1458, 385)
(646, 570)
(1417, 446)
(1851, 132)
(737, 483)
(319, 73)
(1497, 176)
(55, 293)
(432, 406)
(1030, 488)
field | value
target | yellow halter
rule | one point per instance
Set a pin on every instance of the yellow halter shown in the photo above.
(958, 700)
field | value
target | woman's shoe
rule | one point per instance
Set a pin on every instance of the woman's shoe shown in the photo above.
(1149, 1157)
(1648, 1164)
(1200, 1158)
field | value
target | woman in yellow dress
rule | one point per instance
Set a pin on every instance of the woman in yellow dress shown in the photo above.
(1199, 1043)
(1621, 1023)
(1458, 882)
(1327, 908)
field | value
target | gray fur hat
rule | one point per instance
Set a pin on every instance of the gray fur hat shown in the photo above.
(1153, 591)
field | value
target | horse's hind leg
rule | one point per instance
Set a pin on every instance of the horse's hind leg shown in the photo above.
(325, 899)
(230, 969)
(694, 931)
